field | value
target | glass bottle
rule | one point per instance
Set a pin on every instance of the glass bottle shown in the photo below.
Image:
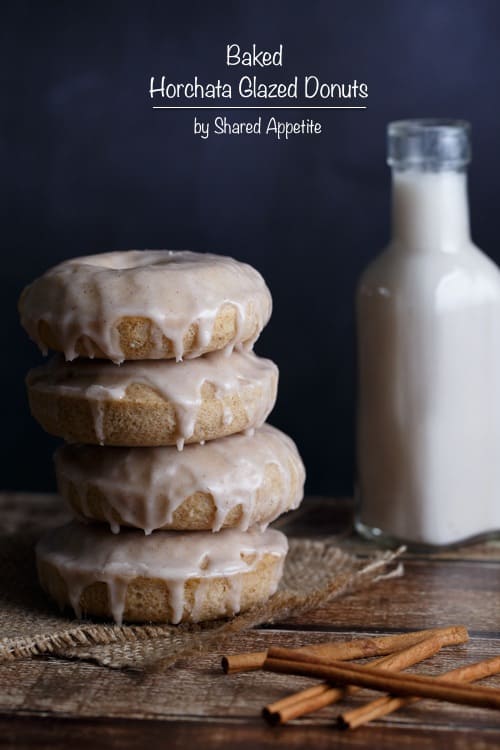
(428, 312)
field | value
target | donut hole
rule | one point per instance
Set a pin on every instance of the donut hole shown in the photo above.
(116, 261)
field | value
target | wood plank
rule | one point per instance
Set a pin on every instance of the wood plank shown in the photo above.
(47, 734)
(430, 594)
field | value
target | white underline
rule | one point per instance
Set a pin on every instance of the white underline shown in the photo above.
(256, 107)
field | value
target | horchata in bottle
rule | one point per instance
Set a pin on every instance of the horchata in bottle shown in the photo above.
(428, 312)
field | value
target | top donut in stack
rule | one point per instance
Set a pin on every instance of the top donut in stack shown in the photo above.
(146, 304)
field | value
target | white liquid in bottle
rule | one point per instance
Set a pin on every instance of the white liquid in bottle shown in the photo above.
(429, 355)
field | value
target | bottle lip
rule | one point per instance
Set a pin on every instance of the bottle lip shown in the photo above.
(432, 144)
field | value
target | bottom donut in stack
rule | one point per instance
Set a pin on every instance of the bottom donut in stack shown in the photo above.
(168, 576)
(182, 571)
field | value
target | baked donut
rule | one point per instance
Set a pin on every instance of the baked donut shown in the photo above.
(145, 304)
(157, 402)
(165, 577)
(239, 481)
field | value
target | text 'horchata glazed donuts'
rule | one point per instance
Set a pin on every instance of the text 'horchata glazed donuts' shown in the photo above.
(239, 481)
(165, 577)
(158, 402)
(145, 304)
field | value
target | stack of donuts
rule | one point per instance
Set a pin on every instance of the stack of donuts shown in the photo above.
(170, 469)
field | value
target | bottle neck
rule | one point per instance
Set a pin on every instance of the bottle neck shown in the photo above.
(430, 211)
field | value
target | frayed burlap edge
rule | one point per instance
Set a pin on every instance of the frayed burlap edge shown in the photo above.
(315, 573)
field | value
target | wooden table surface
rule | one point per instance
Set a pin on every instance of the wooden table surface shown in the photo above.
(53, 703)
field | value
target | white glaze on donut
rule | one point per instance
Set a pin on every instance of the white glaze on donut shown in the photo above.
(145, 486)
(85, 298)
(83, 555)
(255, 379)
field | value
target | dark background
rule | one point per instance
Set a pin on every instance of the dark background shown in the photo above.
(87, 166)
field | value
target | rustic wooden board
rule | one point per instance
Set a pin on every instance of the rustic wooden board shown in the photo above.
(56, 703)
(200, 690)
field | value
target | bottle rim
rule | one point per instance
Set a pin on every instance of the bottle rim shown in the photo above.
(428, 143)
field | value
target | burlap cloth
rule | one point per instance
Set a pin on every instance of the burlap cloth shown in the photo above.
(315, 572)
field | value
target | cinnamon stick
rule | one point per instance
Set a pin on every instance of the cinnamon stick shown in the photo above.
(317, 655)
(243, 662)
(312, 699)
(387, 704)
(356, 648)
(304, 702)
(423, 686)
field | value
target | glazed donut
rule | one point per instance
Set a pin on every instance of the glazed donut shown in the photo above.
(239, 481)
(145, 304)
(157, 402)
(165, 577)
